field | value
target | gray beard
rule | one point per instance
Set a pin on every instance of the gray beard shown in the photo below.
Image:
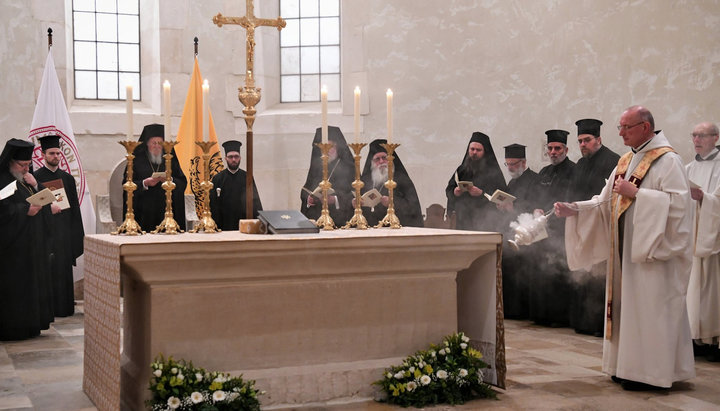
(558, 161)
(18, 176)
(379, 176)
(516, 173)
(155, 159)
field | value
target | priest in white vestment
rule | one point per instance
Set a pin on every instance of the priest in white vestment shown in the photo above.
(648, 247)
(703, 296)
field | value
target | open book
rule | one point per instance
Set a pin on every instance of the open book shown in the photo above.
(370, 198)
(41, 198)
(158, 174)
(58, 189)
(500, 197)
(317, 193)
(8, 190)
(463, 185)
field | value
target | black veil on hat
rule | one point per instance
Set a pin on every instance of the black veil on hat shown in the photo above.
(557, 136)
(49, 141)
(589, 126)
(149, 131)
(16, 149)
(375, 148)
(231, 145)
(515, 151)
(492, 167)
(336, 136)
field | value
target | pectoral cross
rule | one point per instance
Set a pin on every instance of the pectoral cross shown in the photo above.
(249, 95)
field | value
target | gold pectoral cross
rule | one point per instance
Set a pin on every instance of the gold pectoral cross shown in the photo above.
(249, 22)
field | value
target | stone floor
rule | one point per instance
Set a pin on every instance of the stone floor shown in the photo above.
(548, 369)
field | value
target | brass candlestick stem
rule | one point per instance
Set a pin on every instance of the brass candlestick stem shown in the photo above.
(358, 220)
(206, 224)
(168, 224)
(390, 218)
(129, 226)
(325, 221)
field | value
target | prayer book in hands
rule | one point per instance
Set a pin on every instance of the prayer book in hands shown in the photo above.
(58, 189)
(8, 190)
(286, 222)
(370, 198)
(500, 197)
(41, 198)
(317, 193)
(463, 185)
(158, 174)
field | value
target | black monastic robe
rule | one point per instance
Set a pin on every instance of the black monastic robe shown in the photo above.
(476, 213)
(341, 174)
(67, 244)
(405, 198)
(228, 199)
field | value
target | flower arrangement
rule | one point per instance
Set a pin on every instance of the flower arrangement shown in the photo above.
(178, 385)
(450, 372)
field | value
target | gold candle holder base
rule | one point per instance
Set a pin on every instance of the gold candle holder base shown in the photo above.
(358, 219)
(129, 226)
(168, 224)
(391, 219)
(325, 221)
(206, 224)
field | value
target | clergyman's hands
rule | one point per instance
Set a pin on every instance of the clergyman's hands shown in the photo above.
(34, 209)
(54, 208)
(475, 192)
(625, 188)
(696, 194)
(30, 179)
(564, 210)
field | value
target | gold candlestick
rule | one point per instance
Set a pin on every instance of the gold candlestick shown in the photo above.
(206, 224)
(358, 220)
(168, 224)
(390, 218)
(325, 221)
(129, 226)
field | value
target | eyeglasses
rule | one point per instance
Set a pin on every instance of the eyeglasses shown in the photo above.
(702, 135)
(586, 140)
(626, 128)
(513, 164)
(556, 148)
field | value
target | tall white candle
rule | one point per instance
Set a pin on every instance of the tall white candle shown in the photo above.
(323, 100)
(356, 114)
(166, 108)
(129, 111)
(206, 110)
(389, 116)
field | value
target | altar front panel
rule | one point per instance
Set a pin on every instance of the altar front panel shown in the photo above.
(310, 317)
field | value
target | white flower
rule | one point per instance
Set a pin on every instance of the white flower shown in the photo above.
(465, 338)
(399, 375)
(463, 372)
(157, 373)
(463, 346)
(220, 378)
(424, 380)
(389, 375)
(180, 377)
(411, 386)
(198, 376)
(442, 374)
(412, 369)
(432, 354)
(442, 352)
(219, 395)
(196, 397)
(174, 370)
(173, 402)
(447, 343)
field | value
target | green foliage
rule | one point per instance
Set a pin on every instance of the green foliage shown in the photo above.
(178, 385)
(449, 372)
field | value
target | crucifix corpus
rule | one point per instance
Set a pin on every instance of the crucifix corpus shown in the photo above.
(249, 95)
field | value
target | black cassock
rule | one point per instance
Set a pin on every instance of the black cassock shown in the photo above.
(587, 308)
(149, 204)
(519, 265)
(341, 174)
(25, 286)
(67, 244)
(550, 288)
(228, 200)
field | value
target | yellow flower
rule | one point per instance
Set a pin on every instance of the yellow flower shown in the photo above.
(428, 369)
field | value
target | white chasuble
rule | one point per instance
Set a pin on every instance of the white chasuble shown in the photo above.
(703, 298)
(650, 339)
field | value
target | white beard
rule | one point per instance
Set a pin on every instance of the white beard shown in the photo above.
(18, 176)
(155, 159)
(379, 175)
(516, 173)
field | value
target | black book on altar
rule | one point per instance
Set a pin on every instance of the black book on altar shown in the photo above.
(287, 222)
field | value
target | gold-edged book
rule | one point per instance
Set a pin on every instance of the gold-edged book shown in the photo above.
(500, 197)
(463, 185)
(58, 189)
(158, 174)
(370, 198)
(41, 198)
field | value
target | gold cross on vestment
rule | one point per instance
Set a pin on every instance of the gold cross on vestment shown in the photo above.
(249, 22)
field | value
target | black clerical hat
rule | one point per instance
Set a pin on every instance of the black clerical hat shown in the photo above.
(478, 137)
(231, 145)
(50, 141)
(152, 130)
(515, 151)
(557, 136)
(589, 126)
(16, 149)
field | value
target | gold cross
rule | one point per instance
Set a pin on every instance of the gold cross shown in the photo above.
(249, 22)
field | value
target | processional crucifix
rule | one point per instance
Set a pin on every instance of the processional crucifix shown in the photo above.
(249, 95)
